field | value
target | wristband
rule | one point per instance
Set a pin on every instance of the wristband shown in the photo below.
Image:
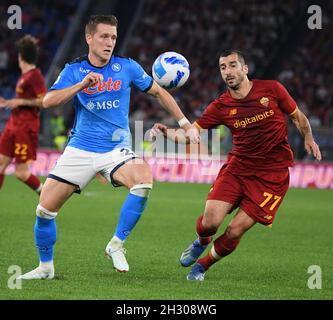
(183, 121)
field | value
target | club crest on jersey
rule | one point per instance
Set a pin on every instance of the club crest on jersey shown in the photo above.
(264, 101)
(233, 112)
(116, 67)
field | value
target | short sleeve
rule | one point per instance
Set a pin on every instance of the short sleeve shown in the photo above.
(286, 103)
(38, 85)
(211, 117)
(65, 79)
(139, 78)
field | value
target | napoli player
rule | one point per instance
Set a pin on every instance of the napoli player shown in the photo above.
(19, 139)
(100, 140)
(255, 177)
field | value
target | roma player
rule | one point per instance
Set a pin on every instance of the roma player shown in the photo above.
(19, 140)
(255, 177)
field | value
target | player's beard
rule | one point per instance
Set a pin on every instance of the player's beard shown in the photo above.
(238, 81)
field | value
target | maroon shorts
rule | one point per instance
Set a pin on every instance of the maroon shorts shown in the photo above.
(259, 195)
(21, 145)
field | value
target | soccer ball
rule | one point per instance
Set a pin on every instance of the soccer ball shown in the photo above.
(171, 70)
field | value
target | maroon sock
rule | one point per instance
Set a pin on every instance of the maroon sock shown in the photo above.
(33, 182)
(222, 246)
(205, 235)
(2, 177)
(207, 261)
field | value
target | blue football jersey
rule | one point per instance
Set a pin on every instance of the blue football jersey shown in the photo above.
(101, 112)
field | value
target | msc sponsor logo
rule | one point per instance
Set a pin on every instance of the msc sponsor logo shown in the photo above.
(103, 105)
(108, 85)
(258, 117)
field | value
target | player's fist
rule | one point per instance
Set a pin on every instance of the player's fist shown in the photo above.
(193, 134)
(91, 79)
(157, 129)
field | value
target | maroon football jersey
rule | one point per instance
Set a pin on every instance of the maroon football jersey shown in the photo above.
(258, 125)
(30, 85)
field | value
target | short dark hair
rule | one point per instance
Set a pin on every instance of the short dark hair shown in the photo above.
(241, 56)
(28, 49)
(96, 19)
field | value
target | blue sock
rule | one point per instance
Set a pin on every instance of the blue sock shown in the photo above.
(130, 215)
(45, 238)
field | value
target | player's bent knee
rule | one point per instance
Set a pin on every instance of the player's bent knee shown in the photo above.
(142, 179)
(45, 213)
(211, 219)
(22, 175)
(145, 177)
(141, 189)
(235, 232)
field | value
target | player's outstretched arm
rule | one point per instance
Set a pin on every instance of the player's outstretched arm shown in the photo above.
(168, 103)
(177, 135)
(18, 102)
(303, 126)
(56, 98)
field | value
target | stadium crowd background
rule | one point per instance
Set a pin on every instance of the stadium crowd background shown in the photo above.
(274, 35)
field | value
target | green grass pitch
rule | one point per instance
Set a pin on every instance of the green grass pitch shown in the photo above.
(268, 264)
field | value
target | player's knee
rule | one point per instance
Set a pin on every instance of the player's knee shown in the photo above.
(147, 177)
(235, 231)
(144, 178)
(211, 220)
(22, 175)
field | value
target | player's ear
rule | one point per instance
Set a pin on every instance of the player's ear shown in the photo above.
(88, 38)
(245, 68)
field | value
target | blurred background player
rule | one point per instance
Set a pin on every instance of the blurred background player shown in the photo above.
(19, 140)
(100, 140)
(255, 177)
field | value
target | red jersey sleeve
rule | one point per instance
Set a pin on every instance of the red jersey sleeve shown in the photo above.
(38, 85)
(211, 117)
(286, 103)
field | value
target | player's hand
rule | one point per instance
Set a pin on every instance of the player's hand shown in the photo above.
(311, 147)
(157, 129)
(2, 102)
(91, 79)
(192, 133)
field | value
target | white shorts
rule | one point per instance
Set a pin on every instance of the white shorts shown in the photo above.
(78, 167)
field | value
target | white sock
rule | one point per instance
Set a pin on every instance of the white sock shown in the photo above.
(46, 265)
(116, 239)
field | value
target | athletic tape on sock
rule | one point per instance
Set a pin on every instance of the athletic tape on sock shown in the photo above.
(141, 190)
(214, 254)
(44, 213)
